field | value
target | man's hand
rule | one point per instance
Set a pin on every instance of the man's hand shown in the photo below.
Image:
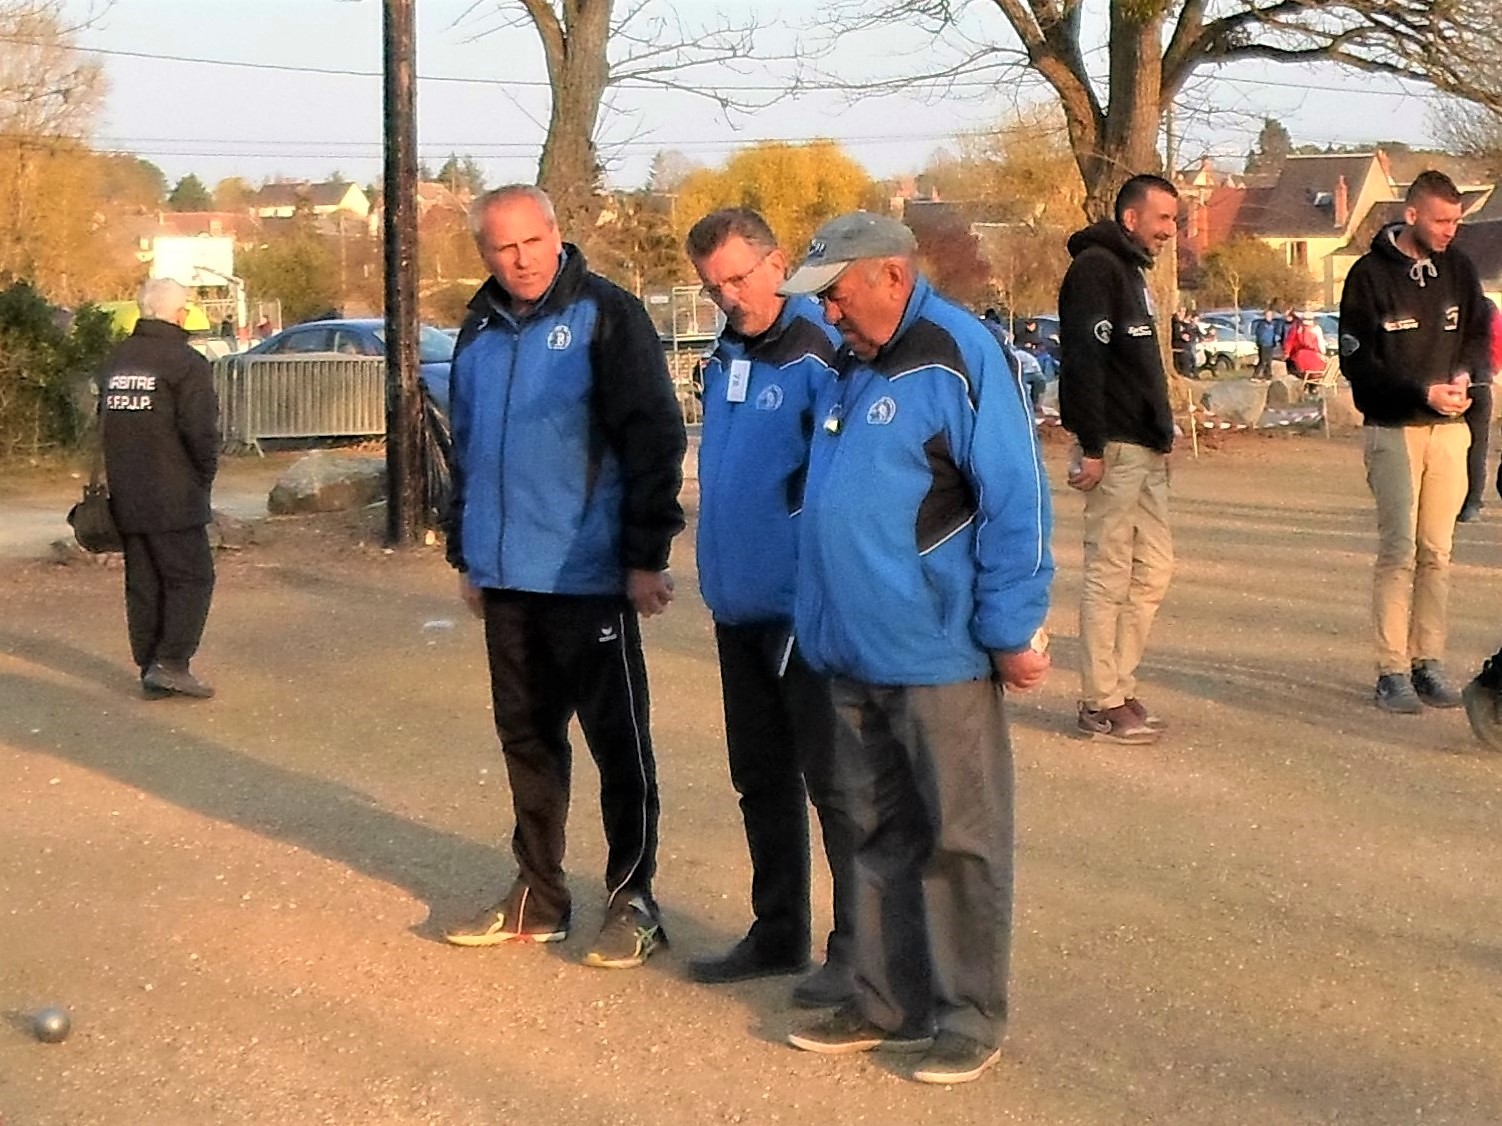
(471, 595)
(1450, 399)
(649, 591)
(1024, 670)
(1088, 472)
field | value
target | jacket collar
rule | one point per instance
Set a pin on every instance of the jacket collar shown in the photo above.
(160, 330)
(491, 298)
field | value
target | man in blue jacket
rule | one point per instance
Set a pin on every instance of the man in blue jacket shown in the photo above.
(772, 360)
(567, 461)
(1268, 334)
(923, 572)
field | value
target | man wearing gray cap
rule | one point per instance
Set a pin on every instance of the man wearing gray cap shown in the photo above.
(923, 572)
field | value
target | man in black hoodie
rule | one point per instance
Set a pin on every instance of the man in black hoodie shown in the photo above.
(159, 421)
(1413, 338)
(1113, 397)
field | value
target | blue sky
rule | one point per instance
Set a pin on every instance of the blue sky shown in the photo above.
(485, 94)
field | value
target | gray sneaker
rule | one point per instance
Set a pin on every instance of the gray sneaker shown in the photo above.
(1432, 687)
(955, 1059)
(1115, 725)
(1395, 694)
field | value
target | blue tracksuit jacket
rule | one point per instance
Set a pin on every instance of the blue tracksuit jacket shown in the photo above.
(753, 458)
(924, 536)
(568, 440)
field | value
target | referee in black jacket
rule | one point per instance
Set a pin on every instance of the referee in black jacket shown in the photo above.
(159, 419)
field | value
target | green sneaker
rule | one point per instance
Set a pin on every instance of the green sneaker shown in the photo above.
(632, 932)
(511, 920)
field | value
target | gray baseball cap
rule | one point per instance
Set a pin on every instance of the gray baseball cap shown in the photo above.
(842, 241)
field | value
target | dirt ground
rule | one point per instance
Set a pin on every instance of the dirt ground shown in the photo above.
(1289, 911)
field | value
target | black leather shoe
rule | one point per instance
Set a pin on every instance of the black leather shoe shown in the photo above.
(828, 987)
(743, 962)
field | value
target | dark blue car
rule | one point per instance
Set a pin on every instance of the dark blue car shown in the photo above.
(365, 337)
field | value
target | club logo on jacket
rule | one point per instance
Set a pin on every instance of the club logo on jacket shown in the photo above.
(882, 411)
(560, 338)
(770, 399)
(1102, 331)
(1452, 319)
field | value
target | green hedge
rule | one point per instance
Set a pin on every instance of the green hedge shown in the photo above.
(47, 360)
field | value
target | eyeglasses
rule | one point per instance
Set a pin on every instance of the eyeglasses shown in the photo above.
(715, 292)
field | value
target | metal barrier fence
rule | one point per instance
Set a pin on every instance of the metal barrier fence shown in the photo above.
(264, 397)
(300, 397)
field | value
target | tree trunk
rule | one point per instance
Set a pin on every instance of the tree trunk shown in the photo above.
(578, 68)
(1128, 145)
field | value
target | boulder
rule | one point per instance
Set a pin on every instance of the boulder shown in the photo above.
(326, 482)
(1340, 410)
(229, 534)
(1238, 401)
(1284, 390)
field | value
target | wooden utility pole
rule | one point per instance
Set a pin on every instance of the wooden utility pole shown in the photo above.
(404, 478)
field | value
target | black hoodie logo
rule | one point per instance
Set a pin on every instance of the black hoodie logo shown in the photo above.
(1452, 319)
(1103, 331)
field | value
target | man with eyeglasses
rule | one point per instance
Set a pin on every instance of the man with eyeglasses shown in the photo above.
(769, 365)
(922, 587)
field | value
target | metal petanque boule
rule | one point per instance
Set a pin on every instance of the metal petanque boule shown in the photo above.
(52, 1024)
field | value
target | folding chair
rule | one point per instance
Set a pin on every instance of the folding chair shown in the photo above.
(1321, 385)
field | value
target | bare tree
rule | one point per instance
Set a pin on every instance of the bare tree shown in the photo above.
(1471, 130)
(47, 89)
(591, 46)
(1153, 48)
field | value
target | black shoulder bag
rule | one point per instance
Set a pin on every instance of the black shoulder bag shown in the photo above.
(93, 522)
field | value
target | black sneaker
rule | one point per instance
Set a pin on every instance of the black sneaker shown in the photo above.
(955, 1058)
(175, 682)
(1395, 694)
(1430, 685)
(631, 933)
(829, 986)
(1470, 511)
(845, 1031)
(743, 962)
(513, 919)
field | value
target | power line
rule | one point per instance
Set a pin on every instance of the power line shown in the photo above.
(750, 88)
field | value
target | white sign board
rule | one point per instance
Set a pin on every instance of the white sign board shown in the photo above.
(195, 260)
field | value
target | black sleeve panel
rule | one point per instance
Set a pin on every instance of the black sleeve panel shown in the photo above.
(638, 411)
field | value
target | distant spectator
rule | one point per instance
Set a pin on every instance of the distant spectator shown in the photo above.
(1304, 347)
(1268, 334)
(1478, 417)
(1185, 338)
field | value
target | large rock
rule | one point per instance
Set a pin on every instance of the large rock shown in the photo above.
(1284, 390)
(1237, 400)
(324, 482)
(1340, 410)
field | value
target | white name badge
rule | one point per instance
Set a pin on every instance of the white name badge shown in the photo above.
(740, 380)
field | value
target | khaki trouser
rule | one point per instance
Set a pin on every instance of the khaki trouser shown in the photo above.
(1418, 476)
(1128, 563)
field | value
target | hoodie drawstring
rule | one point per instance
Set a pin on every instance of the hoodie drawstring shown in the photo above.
(1420, 268)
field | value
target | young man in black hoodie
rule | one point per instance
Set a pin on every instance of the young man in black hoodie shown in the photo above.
(1413, 338)
(1113, 397)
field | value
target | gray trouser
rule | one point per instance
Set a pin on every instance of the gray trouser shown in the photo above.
(928, 772)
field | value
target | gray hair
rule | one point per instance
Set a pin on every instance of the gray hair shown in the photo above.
(719, 227)
(505, 194)
(161, 299)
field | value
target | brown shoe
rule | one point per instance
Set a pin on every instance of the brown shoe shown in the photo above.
(1115, 725)
(1141, 711)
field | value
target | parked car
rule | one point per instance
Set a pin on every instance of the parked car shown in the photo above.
(435, 348)
(1222, 348)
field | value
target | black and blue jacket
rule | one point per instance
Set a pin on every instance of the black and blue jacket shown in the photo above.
(924, 539)
(753, 458)
(568, 440)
